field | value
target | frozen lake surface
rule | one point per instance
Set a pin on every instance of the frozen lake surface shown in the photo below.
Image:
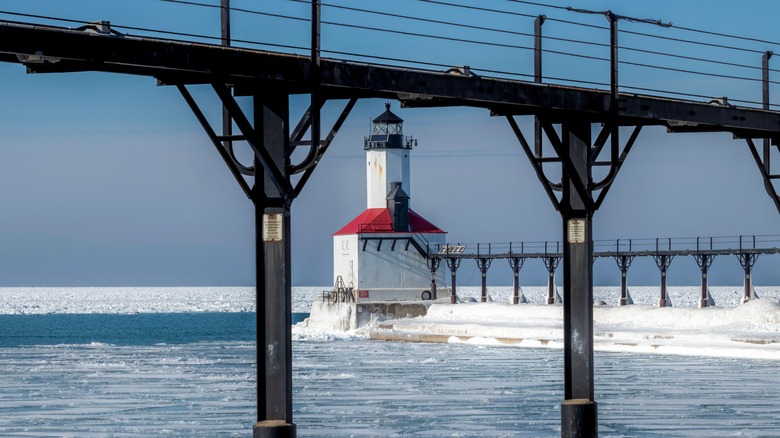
(191, 373)
(399, 389)
(354, 387)
(128, 300)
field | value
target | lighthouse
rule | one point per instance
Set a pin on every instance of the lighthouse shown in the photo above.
(382, 254)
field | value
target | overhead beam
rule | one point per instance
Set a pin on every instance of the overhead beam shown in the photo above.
(202, 63)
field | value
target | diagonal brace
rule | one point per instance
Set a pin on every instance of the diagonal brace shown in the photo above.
(324, 146)
(770, 188)
(580, 186)
(255, 142)
(548, 185)
(215, 139)
(601, 140)
(303, 124)
(606, 183)
(309, 119)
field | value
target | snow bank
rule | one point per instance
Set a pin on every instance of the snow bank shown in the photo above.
(751, 330)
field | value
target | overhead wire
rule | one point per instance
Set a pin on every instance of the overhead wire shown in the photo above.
(683, 28)
(151, 30)
(427, 63)
(417, 34)
(699, 43)
(478, 8)
(726, 35)
(585, 42)
(690, 58)
(546, 5)
(702, 96)
(694, 72)
(369, 28)
(604, 27)
(209, 37)
(462, 25)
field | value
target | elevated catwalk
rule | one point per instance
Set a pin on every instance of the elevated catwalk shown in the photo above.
(747, 249)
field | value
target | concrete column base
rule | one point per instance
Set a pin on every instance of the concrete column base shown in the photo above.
(273, 429)
(704, 302)
(623, 302)
(550, 300)
(662, 303)
(579, 418)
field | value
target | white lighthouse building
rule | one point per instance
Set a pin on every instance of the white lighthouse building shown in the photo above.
(381, 254)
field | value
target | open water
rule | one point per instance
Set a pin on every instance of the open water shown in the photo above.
(192, 374)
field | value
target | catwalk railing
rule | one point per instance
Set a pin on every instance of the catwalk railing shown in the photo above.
(766, 244)
(747, 249)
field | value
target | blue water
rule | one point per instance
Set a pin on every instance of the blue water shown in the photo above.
(136, 329)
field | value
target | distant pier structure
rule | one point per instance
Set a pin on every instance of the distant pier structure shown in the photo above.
(747, 249)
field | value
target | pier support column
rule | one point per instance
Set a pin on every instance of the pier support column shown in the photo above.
(705, 261)
(747, 261)
(663, 261)
(433, 265)
(453, 263)
(483, 264)
(272, 222)
(579, 412)
(551, 263)
(623, 263)
(516, 263)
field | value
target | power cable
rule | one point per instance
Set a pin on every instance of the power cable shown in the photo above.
(463, 25)
(478, 8)
(43, 17)
(234, 9)
(525, 2)
(422, 35)
(681, 70)
(150, 30)
(357, 26)
(679, 93)
(432, 64)
(692, 58)
(577, 23)
(725, 35)
(699, 43)
(451, 23)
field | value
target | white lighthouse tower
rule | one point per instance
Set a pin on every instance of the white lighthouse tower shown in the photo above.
(382, 254)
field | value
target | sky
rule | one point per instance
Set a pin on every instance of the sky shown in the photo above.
(108, 180)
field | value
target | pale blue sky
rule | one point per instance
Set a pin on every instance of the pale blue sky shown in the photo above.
(109, 180)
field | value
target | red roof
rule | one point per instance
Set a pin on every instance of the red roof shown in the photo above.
(377, 220)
